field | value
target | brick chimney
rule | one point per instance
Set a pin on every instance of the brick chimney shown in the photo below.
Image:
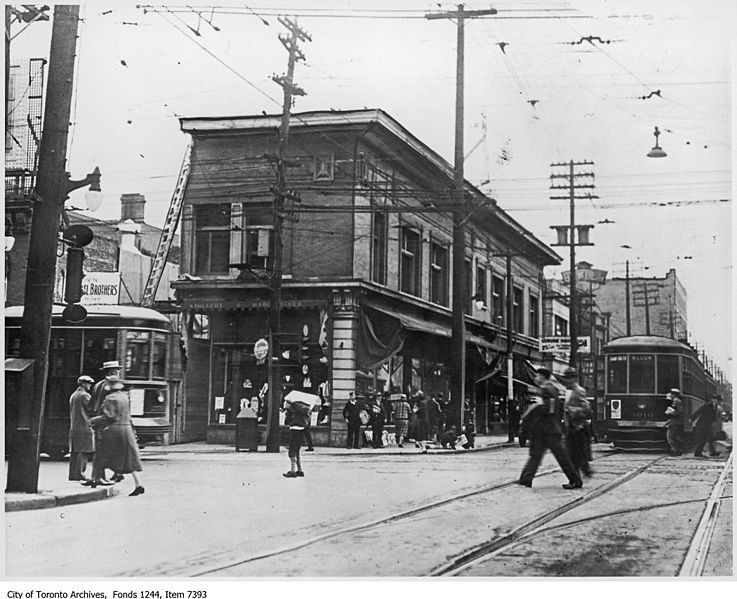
(132, 207)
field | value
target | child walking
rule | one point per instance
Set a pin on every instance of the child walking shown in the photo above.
(297, 418)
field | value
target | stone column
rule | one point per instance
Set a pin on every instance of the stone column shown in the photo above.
(343, 339)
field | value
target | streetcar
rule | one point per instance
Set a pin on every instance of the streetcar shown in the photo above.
(640, 371)
(139, 338)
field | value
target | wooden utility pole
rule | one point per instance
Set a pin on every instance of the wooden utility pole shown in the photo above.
(51, 190)
(281, 196)
(565, 240)
(460, 211)
(627, 297)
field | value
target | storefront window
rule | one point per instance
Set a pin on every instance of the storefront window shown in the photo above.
(642, 374)
(137, 354)
(616, 374)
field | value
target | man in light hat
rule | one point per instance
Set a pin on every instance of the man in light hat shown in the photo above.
(111, 369)
(675, 433)
(577, 415)
(541, 425)
(81, 436)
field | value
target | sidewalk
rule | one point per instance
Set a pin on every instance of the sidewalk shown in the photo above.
(55, 490)
(482, 443)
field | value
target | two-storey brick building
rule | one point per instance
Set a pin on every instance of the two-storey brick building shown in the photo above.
(367, 285)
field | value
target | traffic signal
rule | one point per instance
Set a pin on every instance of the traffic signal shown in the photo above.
(75, 237)
(73, 285)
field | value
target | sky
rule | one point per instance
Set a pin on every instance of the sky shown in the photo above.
(536, 92)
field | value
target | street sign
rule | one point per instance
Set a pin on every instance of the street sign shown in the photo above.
(562, 345)
(586, 275)
(100, 288)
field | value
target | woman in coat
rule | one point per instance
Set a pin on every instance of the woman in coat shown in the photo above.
(118, 449)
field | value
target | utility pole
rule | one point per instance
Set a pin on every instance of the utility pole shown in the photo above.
(51, 190)
(563, 237)
(642, 292)
(627, 297)
(460, 211)
(281, 196)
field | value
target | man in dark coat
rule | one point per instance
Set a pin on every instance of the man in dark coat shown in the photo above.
(433, 411)
(378, 417)
(81, 436)
(541, 425)
(675, 433)
(111, 369)
(577, 414)
(352, 416)
(703, 420)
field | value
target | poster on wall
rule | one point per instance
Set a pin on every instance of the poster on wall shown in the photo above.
(100, 288)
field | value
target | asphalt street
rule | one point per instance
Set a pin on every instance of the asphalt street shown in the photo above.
(204, 511)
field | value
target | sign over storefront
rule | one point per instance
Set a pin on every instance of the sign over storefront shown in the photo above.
(562, 345)
(100, 288)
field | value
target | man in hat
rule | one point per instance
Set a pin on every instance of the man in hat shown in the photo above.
(674, 426)
(402, 410)
(81, 436)
(111, 370)
(577, 414)
(703, 421)
(352, 416)
(541, 425)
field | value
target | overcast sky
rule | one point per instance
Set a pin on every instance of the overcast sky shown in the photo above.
(137, 72)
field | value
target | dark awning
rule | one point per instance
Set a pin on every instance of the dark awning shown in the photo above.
(420, 325)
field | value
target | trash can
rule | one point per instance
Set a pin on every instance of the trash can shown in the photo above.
(246, 430)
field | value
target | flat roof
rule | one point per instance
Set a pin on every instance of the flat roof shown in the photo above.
(363, 117)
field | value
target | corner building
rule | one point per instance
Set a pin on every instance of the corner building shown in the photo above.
(367, 282)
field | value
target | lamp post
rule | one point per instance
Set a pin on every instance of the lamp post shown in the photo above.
(657, 151)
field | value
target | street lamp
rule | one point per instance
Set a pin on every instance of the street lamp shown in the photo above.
(657, 151)
(93, 196)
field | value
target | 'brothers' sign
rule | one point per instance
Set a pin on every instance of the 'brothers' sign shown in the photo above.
(100, 288)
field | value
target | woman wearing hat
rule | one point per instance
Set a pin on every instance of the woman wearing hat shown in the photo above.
(81, 436)
(118, 449)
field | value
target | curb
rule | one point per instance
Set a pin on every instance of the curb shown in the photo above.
(368, 454)
(20, 502)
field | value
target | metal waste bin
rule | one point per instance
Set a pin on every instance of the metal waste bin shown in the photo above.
(246, 430)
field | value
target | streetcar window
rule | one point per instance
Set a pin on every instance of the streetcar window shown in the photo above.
(159, 356)
(137, 354)
(667, 374)
(99, 346)
(616, 374)
(64, 357)
(642, 373)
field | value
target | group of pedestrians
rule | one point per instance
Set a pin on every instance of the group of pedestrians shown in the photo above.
(706, 423)
(418, 418)
(543, 425)
(101, 430)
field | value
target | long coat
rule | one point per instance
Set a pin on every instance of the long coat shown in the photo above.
(81, 436)
(118, 449)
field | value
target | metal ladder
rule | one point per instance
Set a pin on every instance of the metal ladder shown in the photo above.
(167, 233)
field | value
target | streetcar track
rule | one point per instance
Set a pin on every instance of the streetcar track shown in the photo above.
(493, 547)
(695, 559)
(202, 569)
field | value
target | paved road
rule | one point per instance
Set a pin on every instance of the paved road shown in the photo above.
(201, 510)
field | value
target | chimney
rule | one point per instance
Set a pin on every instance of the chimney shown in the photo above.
(132, 207)
(128, 233)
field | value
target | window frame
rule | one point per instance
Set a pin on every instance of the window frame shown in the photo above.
(441, 271)
(533, 310)
(379, 248)
(407, 233)
(208, 232)
(518, 309)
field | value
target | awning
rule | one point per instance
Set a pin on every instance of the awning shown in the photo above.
(488, 376)
(523, 384)
(413, 323)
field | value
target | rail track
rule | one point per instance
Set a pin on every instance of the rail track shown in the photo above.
(209, 565)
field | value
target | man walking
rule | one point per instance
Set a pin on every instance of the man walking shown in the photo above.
(577, 414)
(541, 425)
(703, 420)
(352, 416)
(111, 370)
(675, 434)
(81, 436)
